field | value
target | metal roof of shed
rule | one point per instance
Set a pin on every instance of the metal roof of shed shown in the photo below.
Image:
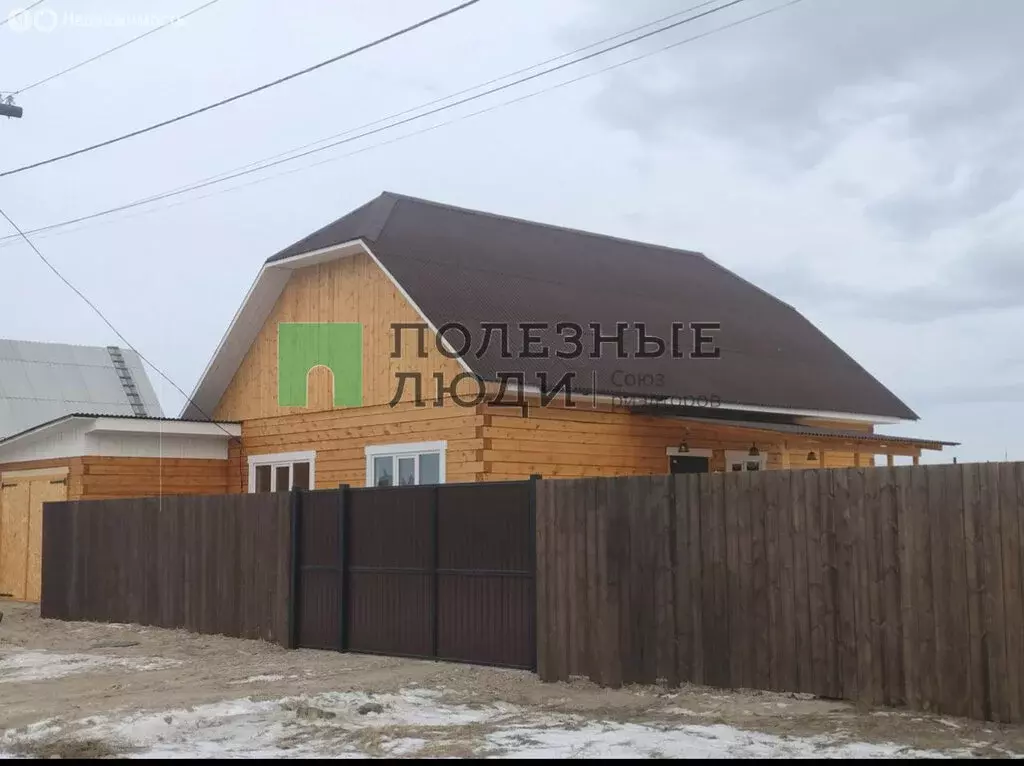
(40, 382)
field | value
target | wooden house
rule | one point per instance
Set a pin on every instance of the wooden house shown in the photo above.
(779, 394)
(387, 348)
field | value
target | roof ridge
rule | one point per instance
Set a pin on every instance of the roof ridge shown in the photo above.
(541, 224)
(59, 343)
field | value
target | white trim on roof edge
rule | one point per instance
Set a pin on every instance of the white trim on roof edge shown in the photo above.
(87, 435)
(266, 289)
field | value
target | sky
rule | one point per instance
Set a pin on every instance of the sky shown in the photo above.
(860, 160)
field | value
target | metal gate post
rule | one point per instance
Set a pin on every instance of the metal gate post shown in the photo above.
(534, 478)
(343, 499)
(295, 511)
(435, 501)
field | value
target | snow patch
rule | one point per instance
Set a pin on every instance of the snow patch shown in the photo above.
(27, 666)
(262, 679)
(331, 724)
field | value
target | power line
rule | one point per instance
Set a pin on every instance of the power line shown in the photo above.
(470, 89)
(22, 12)
(244, 94)
(103, 316)
(265, 165)
(217, 179)
(107, 52)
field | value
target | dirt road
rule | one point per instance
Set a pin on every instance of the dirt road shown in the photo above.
(81, 689)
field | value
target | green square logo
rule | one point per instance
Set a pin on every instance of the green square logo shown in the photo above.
(303, 346)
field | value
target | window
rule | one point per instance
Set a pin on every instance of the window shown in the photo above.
(741, 460)
(280, 473)
(403, 465)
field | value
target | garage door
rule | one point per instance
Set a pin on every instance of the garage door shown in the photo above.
(21, 529)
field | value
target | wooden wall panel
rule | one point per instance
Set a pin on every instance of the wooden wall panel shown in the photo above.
(560, 442)
(113, 477)
(349, 290)
(339, 438)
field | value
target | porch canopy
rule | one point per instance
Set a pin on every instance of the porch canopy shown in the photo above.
(799, 437)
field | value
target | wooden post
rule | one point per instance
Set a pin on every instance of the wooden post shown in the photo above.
(889, 461)
(821, 459)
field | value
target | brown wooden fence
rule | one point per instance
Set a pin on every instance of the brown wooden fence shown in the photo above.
(443, 571)
(898, 586)
(210, 564)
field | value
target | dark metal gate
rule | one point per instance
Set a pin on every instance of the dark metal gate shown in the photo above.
(444, 572)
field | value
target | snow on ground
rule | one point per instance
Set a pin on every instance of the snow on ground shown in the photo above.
(410, 723)
(40, 666)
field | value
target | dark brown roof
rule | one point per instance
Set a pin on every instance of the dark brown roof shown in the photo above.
(470, 267)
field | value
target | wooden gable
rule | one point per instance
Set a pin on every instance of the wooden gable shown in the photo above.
(352, 289)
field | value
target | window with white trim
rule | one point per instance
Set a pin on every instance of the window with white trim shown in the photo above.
(742, 460)
(282, 472)
(397, 465)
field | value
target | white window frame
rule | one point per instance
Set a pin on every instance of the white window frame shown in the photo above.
(743, 456)
(412, 449)
(280, 459)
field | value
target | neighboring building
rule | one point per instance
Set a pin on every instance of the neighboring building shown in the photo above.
(788, 397)
(124, 447)
(40, 382)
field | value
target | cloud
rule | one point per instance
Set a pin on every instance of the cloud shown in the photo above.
(788, 88)
(988, 279)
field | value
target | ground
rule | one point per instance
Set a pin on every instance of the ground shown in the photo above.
(88, 690)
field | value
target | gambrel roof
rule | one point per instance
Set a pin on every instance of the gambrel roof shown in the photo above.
(472, 268)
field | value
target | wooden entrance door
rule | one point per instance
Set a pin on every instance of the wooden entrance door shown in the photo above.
(21, 530)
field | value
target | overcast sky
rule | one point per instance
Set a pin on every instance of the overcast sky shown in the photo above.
(860, 160)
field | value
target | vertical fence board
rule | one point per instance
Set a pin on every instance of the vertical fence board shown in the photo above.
(733, 595)
(908, 585)
(923, 598)
(664, 553)
(611, 653)
(940, 574)
(814, 546)
(955, 665)
(1014, 627)
(695, 488)
(829, 550)
(774, 626)
(761, 612)
(589, 531)
(993, 608)
(873, 665)
(542, 531)
(891, 589)
(801, 584)
(685, 638)
(846, 584)
(977, 680)
(717, 638)
(743, 606)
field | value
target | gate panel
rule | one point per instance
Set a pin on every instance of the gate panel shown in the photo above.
(390, 571)
(318, 615)
(485, 591)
